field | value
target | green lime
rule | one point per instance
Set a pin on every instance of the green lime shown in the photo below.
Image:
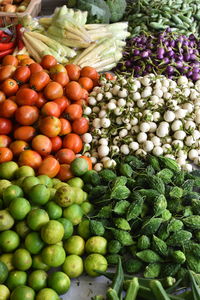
(23, 292)
(15, 279)
(96, 244)
(47, 294)
(19, 181)
(28, 183)
(68, 227)
(22, 259)
(52, 193)
(65, 196)
(4, 292)
(54, 210)
(33, 242)
(84, 229)
(79, 196)
(22, 229)
(39, 194)
(38, 264)
(55, 181)
(8, 169)
(73, 266)
(19, 208)
(52, 232)
(7, 259)
(3, 185)
(37, 280)
(87, 207)
(9, 240)
(53, 255)
(95, 262)
(85, 196)
(76, 182)
(73, 213)
(6, 220)
(10, 193)
(24, 171)
(46, 180)
(75, 245)
(37, 218)
(59, 282)
(3, 272)
(79, 166)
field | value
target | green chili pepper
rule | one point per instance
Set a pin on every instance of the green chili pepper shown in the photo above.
(157, 26)
(176, 19)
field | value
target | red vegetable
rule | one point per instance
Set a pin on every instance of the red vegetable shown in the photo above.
(20, 43)
(6, 52)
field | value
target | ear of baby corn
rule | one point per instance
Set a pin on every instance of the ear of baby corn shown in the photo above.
(32, 52)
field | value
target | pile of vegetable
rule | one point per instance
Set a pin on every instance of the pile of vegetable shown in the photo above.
(151, 16)
(149, 212)
(165, 53)
(14, 6)
(41, 113)
(42, 226)
(99, 45)
(150, 114)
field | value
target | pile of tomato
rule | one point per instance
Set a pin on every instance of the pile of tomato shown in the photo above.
(41, 113)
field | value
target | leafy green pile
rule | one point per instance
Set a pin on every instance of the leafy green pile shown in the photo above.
(100, 11)
(150, 210)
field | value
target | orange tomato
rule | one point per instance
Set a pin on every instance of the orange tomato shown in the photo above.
(35, 67)
(65, 127)
(18, 146)
(62, 102)
(109, 76)
(86, 83)
(9, 87)
(42, 144)
(30, 158)
(10, 60)
(51, 109)
(5, 140)
(5, 154)
(80, 126)
(65, 172)
(56, 143)
(90, 72)
(85, 94)
(27, 115)
(73, 112)
(81, 102)
(53, 90)
(20, 57)
(65, 156)
(73, 141)
(26, 96)
(62, 78)
(6, 72)
(39, 80)
(22, 74)
(50, 126)
(26, 61)
(73, 90)
(2, 97)
(5, 126)
(50, 167)
(73, 71)
(8, 108)
(48, 61)
(88, 161)
(41, 100)
(24, 133)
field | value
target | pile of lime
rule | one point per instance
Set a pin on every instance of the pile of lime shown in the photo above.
(44, 224)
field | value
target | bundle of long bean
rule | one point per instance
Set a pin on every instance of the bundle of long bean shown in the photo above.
(152, 15)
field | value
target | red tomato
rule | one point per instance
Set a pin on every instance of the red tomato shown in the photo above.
(73, 71)
(22, 74)
(65, 172)
(5, 126)
(61, 77)
(86, 83)
(65, 156)
(42, 144)
(85, 94)
(51, 109)
(30, 158)
(88, 161)
(39, 80)
(89, 72)
(50, 126)
(26, 96)
(10, 60)
(56, 143)
(5, 154)
(109, 76)
(8, 108)
(5, 140)
(80, 126)
(65, 127)
(53, 90)
(62, 102)
(6, 72)
(27, 115)
(18, 146)
(48, 61)
(24, 133)
(81, 102)
(50, 167)
(41, 100)
(2, 97)
(73, 90)
(9, 87)
(73, 141)
(35, 67)
(73, 112)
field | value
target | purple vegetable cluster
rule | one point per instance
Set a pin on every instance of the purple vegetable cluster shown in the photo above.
(164, 53)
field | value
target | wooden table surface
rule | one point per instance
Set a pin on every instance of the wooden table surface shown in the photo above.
(48, 6)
